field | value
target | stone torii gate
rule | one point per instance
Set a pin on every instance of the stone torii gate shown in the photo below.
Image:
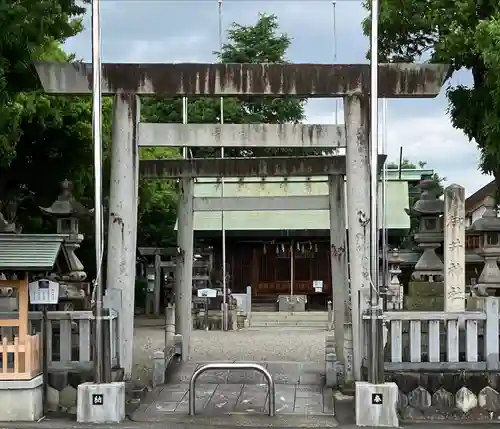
(126, 82)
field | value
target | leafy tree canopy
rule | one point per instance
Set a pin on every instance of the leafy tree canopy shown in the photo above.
(256, 43)
(464, 34)
(46, 139)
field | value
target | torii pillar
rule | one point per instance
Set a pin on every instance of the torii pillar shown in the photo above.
(126, 81)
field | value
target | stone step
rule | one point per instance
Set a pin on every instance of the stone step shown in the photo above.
(288, 324)
(306, 315)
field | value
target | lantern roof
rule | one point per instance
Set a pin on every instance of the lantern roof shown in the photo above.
(66, 205)
(489, 222)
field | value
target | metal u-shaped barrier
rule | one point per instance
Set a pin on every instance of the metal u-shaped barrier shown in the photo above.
(233, 366)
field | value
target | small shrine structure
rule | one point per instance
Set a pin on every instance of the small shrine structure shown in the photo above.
(21, 379)
(23, 258)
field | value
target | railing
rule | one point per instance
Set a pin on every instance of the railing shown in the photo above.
(444, 341)
(233, 366)
(20, 358)
(69, 345)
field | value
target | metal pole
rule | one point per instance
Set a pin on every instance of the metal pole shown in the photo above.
(385, 266)
(334, 3)
(98, 219)
(184, 121)
(225, 318)
(374, 234)
(45, 358)
(292, 267)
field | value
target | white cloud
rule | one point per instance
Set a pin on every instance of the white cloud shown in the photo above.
(426, 138)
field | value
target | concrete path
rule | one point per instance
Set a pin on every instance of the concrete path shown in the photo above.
(214, 424)
(267, 344)
(295, 358)
(299, 390)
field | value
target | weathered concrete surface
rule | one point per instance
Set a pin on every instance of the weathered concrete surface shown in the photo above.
(358, 216)
(309, 80)
(229, 422)
(245, 167)
(178, 421)
(122, 219)
(242, 135)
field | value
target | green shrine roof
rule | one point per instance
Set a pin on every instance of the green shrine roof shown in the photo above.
(397, 202)
(29, 252)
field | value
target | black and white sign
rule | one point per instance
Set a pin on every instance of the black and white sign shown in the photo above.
(207, 293)
(98, 399)
(377, 399)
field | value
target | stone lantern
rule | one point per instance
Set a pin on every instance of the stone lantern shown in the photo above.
(395, 288)
(428, 209)
(68, 213)
(488, 228)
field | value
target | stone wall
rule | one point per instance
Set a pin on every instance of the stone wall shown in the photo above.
(215, 320)
(459, 396)
(63, 385)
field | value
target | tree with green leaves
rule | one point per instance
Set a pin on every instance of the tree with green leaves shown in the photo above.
(28, 30)
(45, 139)
(258, 43)
(464, 34)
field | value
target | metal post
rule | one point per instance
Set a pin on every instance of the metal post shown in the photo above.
(292, 268)
(97, 140)
(374, 233)
(225, 318)
(106, 339)
(45, 358)
(385, 243)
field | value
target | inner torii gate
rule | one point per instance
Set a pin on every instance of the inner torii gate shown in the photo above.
(127, 82)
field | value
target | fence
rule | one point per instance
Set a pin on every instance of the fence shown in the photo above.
(433, 340)
(20, 358)
(69, 345)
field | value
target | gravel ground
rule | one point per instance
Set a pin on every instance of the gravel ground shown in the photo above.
(270, 344)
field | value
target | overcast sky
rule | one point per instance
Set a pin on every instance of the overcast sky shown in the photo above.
(187, 31)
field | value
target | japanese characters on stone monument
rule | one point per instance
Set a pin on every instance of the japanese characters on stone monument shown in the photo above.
(395, 288)
(454, 248)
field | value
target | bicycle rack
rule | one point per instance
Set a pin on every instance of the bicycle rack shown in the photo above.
(233, 366)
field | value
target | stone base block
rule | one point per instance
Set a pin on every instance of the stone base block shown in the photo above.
(429, 289)
(295, 303)
(101, 403)
(376, 404)
(425, 303)
(21, 400)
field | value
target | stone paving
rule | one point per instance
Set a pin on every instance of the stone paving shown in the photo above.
(299, 391)
(268, 344)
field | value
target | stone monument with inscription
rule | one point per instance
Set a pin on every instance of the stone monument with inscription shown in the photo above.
(454, 248)
(426, 289)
